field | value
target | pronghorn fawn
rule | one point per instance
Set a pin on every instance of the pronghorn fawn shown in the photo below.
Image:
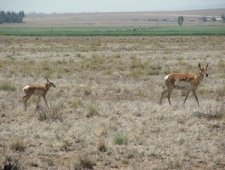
(183, 81)
(37, 90)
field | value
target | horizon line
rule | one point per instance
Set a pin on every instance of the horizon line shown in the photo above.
(139, 11)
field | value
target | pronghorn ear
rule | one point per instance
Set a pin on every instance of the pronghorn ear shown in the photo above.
(207, 66)
(199, 65)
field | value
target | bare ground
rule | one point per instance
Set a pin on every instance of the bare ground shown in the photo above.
(104, 110)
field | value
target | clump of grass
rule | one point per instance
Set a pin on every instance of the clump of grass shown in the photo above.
(186, 65)
(216, 112)
(7, 86)
(11, 163)
(174, 163)
(66, 146)
(87, 92)
(52, 114)
(137, 63)
(41, 113)
(213, 112)
(92, 111)
(136, 73)
(154, 70)
(34, 163)
(18, 145)
(94, 63)
(76, 104)
(137, 67)
(64, 61)
(120, 139)
(221, 91)
(140, 68)
(56, 113)
(84, 163)
(102, 146)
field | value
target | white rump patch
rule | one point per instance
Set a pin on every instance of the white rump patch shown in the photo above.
(25, 88)
(165, 78)
(182, 85)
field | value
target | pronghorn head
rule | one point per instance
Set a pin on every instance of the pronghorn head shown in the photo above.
(50, 84)
(203, 70)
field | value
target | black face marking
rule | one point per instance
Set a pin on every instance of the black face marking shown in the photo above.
(50, 84)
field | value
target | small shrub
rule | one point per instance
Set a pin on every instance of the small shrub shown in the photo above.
(66, 146)
(221, 91)
(61, 62)
(137, 63)
(10, 164)
(52, 114)
(174, 163)
(136, 73)
(120, 139)
(7, 86)
(56, 113)
(125, 161)
(84, 163)
(102, 146)
(75, 104)
(41, 113)
(87, 92)
(216, 112)
(34, 164)
(18, 145)
(213, 112)
(92, 111)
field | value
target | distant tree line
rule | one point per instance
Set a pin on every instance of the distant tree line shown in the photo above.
(11, 17)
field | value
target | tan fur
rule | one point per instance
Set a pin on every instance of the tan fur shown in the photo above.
(183, 81)
(38, 90)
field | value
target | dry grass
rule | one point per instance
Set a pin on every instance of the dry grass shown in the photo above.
(10, 163)
(84, 163)
(105, 103)
(18, 145)
(7, 86)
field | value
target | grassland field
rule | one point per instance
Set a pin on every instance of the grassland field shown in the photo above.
(104, 111)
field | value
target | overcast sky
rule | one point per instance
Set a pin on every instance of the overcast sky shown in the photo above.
(64, 6)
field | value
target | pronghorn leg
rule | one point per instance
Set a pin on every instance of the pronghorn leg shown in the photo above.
(163, 95)
(25, 103)
(25, 98)
(168, 96)
(46, 101)
(38, 102)
(196, 97)
(186, 97)
(170, 89)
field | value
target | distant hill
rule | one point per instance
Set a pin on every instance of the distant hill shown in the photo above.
(215, 11)
(211, 12)
(145, 18)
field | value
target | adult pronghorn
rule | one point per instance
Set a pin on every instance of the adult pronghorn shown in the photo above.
(184, 81)
(38, 90)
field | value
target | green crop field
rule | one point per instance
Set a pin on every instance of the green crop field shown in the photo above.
(113, 31)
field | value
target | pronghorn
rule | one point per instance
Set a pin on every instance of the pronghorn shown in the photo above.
(184, 81)
(38, 90)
